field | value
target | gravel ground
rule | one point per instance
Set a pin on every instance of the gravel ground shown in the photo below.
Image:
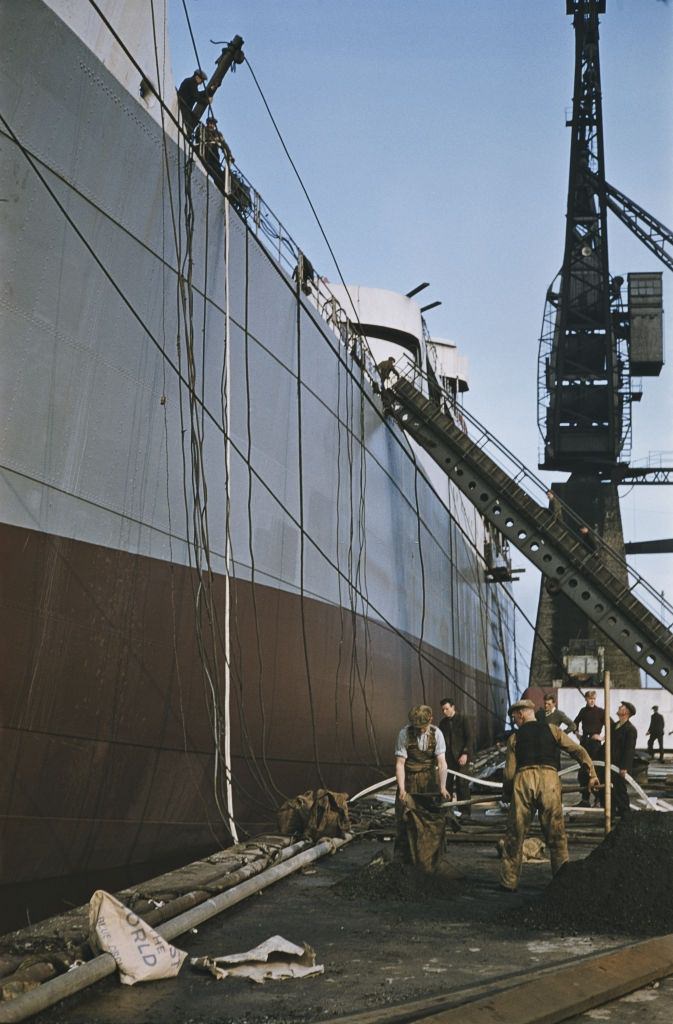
(622, 887)
(379, 947)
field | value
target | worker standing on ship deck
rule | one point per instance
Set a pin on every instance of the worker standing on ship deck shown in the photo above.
(531, 783)
(189, 94)
(420, 767)
(212, 148)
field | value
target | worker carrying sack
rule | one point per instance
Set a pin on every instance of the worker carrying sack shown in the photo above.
(141, 953)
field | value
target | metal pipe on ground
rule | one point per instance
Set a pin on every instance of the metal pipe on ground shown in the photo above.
(102, 966)
(219, 883)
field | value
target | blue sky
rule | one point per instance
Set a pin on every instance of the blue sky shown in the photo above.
(431, 137)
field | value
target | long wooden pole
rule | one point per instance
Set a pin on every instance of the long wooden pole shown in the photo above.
(608, 754)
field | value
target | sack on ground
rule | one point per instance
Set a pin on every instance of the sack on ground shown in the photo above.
(533, 849)
(315, 815)
(141, 953)
(328, 815)
(292, 816)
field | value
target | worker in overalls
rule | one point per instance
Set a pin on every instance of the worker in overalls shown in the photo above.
(420, 767)
(531, 783)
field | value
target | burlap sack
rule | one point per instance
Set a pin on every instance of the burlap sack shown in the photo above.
(328, 815)
(141, 953)
(426, 829)
(314, 815)
(292, 816)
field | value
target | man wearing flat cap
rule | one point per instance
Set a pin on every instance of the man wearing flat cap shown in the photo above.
(531, 783)
(420, 766)
(623, 747)
(189, 94)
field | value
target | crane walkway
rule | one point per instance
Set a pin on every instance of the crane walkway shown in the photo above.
(593, 576)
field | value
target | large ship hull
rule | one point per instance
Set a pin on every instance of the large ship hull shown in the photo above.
(225, 576)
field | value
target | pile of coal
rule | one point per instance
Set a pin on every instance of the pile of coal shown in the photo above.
(381, 880)
(622, 887)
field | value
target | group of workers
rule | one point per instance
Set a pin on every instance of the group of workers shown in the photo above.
(434, 759)
(193, 98)
(209, 140)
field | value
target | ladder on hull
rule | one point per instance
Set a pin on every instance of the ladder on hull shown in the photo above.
(597, 581)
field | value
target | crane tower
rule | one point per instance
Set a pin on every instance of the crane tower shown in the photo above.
(594, 340)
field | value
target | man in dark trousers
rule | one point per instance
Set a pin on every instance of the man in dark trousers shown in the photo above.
(531, 783)
(623, 746)
(455, 728)
(656, 732)
(189, 93)
(590, 719)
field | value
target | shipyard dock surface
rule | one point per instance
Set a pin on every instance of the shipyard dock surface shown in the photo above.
(437, 941)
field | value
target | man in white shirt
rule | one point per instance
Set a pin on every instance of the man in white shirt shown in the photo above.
(420, 766)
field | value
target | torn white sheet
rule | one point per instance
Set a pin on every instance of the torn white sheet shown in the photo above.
(274, 960)
(140, 952)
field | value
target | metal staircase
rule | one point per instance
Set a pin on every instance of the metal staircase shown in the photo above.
(596, 579)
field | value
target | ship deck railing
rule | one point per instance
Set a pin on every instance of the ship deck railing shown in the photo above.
(279, 243)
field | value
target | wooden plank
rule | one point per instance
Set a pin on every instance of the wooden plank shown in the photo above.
(569, 991)
(544, 996)
(405, 1013)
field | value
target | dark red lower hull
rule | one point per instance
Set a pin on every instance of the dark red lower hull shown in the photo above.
(107, 750)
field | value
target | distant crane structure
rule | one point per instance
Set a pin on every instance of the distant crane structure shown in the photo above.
(594, 344)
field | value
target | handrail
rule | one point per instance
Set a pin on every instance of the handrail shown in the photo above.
(536, 489)
(268, 228)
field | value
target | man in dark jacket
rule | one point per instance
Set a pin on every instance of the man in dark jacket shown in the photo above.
(590, 719)
(553, 716)
(189, 93)
(623, 747)
(455, 728)
(656, 733)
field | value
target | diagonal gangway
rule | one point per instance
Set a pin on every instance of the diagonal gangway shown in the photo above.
(597, 580)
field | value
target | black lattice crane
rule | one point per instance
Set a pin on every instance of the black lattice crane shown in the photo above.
(592, 344)
(583, 371)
